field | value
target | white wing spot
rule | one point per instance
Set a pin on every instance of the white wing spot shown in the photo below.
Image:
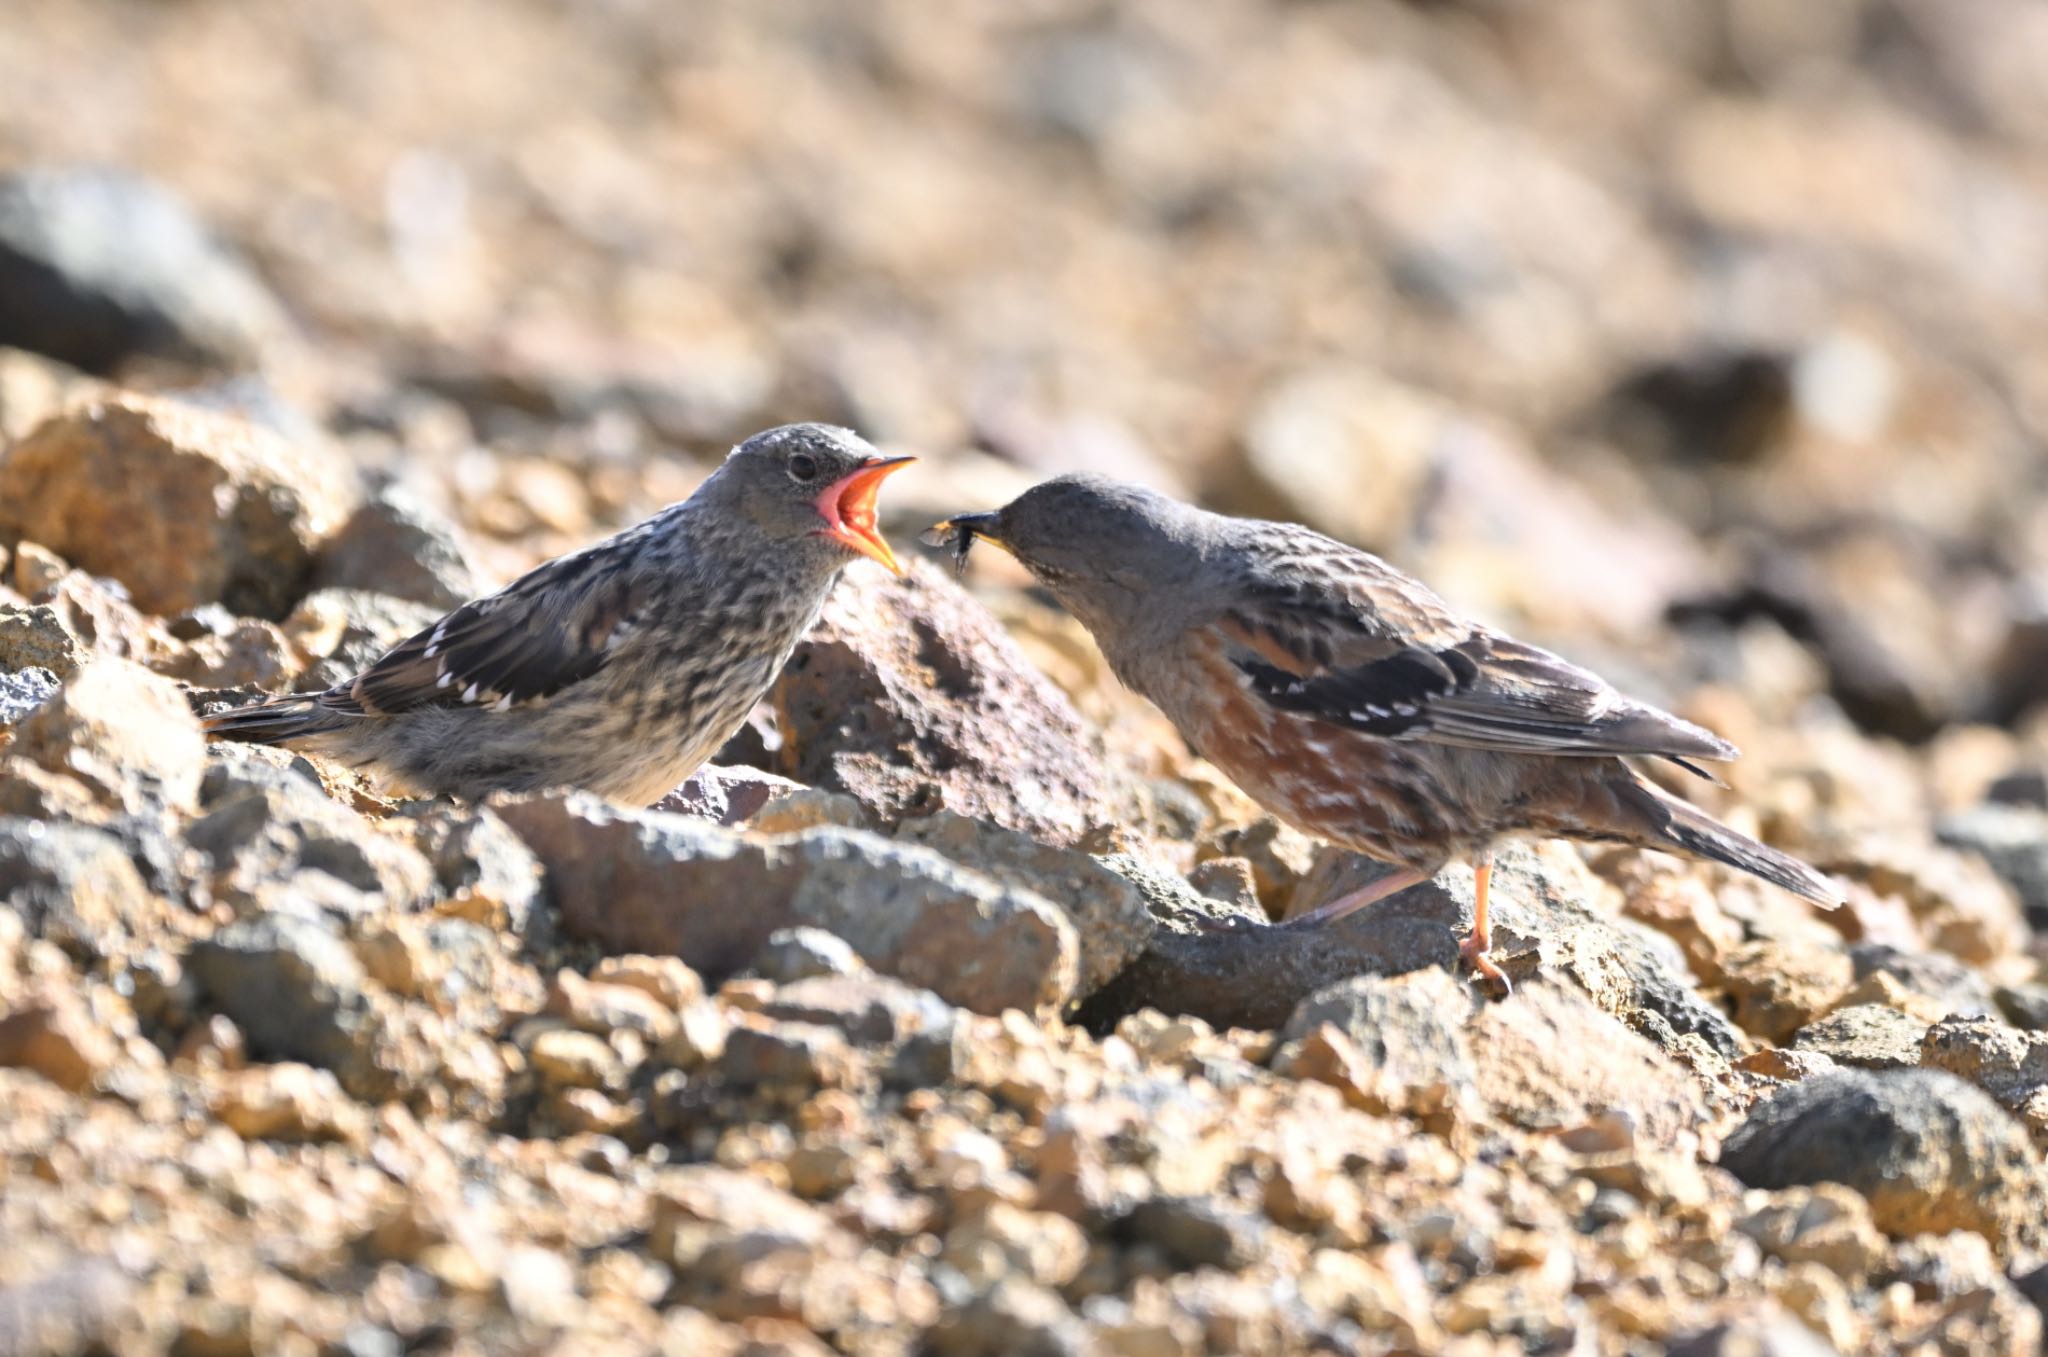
(444, 680)
(469, 693)
(502, 704)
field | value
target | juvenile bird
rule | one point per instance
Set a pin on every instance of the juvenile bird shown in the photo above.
(618, 668)
(1352, 702)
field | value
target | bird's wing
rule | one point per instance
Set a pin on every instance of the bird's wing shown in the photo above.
(1328, 631)
(554, 626)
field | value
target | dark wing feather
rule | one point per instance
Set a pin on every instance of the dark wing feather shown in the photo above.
(554, 626)
(1331, 632)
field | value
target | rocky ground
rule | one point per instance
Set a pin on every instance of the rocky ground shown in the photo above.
(1700, 341)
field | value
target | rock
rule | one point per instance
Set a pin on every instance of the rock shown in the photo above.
(1199, 1231)
(726, 796)
(1107, 912)
(871, 1010)
(347, 629)
(483, 869)
(666, 884)
(787, 1055)
(2014, 841)
(181, 506)
(123, 732)
(268, 834)
(909, 696)
(287, 1102)
(2012, 1066)
(1935, 977)
(76, 886)
(1781, 985)
(82, 1302)
(1279, 857)
(1013, 1318)
(22, 691)
(34, 387)
(101, 266)
(60, 1038)
(1254, 977)
(792, 954)
(1407, 1053)
(35, 638)
(298, 993)
(1926, 1150)
(1547, 1058)
(574, 1059)
(1043, 1248)
(1870, 1036)
(395, 545)
(2024, 1006)
(1825, 1224)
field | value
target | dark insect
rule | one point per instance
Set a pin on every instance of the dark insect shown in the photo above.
(953, 534)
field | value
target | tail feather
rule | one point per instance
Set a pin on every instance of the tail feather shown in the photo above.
(1687, 828)
(275, 720)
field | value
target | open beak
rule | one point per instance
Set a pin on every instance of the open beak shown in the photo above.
(848, 508)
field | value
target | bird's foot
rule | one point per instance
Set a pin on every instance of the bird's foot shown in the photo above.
(1474, 953)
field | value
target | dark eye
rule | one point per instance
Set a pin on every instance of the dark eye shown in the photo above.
(804, 467)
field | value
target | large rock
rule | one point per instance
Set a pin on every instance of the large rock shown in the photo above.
(1108, 913)
(395, 544)
(1548, 1059)
(1403, 1047)
(911, 697)
(1544, 923)
(100, 266)
(1930, 1152)
(123, 732)
(184, 507)
(642, 881)
(75, 886)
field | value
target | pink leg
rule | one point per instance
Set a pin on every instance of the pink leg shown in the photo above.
(1475, 946)
(1391, 884)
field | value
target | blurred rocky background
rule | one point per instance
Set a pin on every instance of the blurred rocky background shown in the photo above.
(1700, 341)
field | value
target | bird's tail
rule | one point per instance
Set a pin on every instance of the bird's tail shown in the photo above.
(274, 720)
(1682, 826)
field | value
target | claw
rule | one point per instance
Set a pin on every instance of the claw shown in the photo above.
(1474, 954)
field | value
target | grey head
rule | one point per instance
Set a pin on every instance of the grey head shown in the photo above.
(1118, 556)
(810, 488)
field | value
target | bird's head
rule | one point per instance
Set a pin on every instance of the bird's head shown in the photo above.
(813, 484)
(1102, 546)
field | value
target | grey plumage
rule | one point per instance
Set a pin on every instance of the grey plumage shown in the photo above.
(621, 667)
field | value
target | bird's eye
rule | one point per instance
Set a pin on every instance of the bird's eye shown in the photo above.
(804, 467)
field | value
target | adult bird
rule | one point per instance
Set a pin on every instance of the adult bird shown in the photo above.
(1353, 703)
(621, 667)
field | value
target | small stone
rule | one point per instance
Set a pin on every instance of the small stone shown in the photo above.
(1870, 1036)
(574, 1059)
(792, 954)
(871, 1010)
(58, 1037)
(1926, 1150)
(1408, 1033)
(1004, 1240)
(122, 731)
(1228, 881)
(1779, 987)
(1775, 1063)
(1826, 1224)
(1199, 1231)
(600, 1007)
(2008, 1064)
(288, 1102)
(668, 979)
(2024, 1006)
(726, 796)
(35, 639)
(787, 1055)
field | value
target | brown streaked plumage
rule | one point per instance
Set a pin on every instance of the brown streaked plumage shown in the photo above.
(618, 668)
(1352, 702)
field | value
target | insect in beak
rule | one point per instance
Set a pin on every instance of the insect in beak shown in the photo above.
(959, 534)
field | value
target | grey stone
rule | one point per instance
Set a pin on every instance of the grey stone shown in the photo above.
(872, 1010)
(396, 545)
(1199, 1231)
(1409, 1031)
(266, 833)
(1929, 1152)
(643, 881)
(101, 266)
(2024, 1006)
(2014, 841)
(792, 954)
(1870, 1036)
(22, 691)
(75, 886)
(1108, 912)
(726, 796)
(297, 991)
